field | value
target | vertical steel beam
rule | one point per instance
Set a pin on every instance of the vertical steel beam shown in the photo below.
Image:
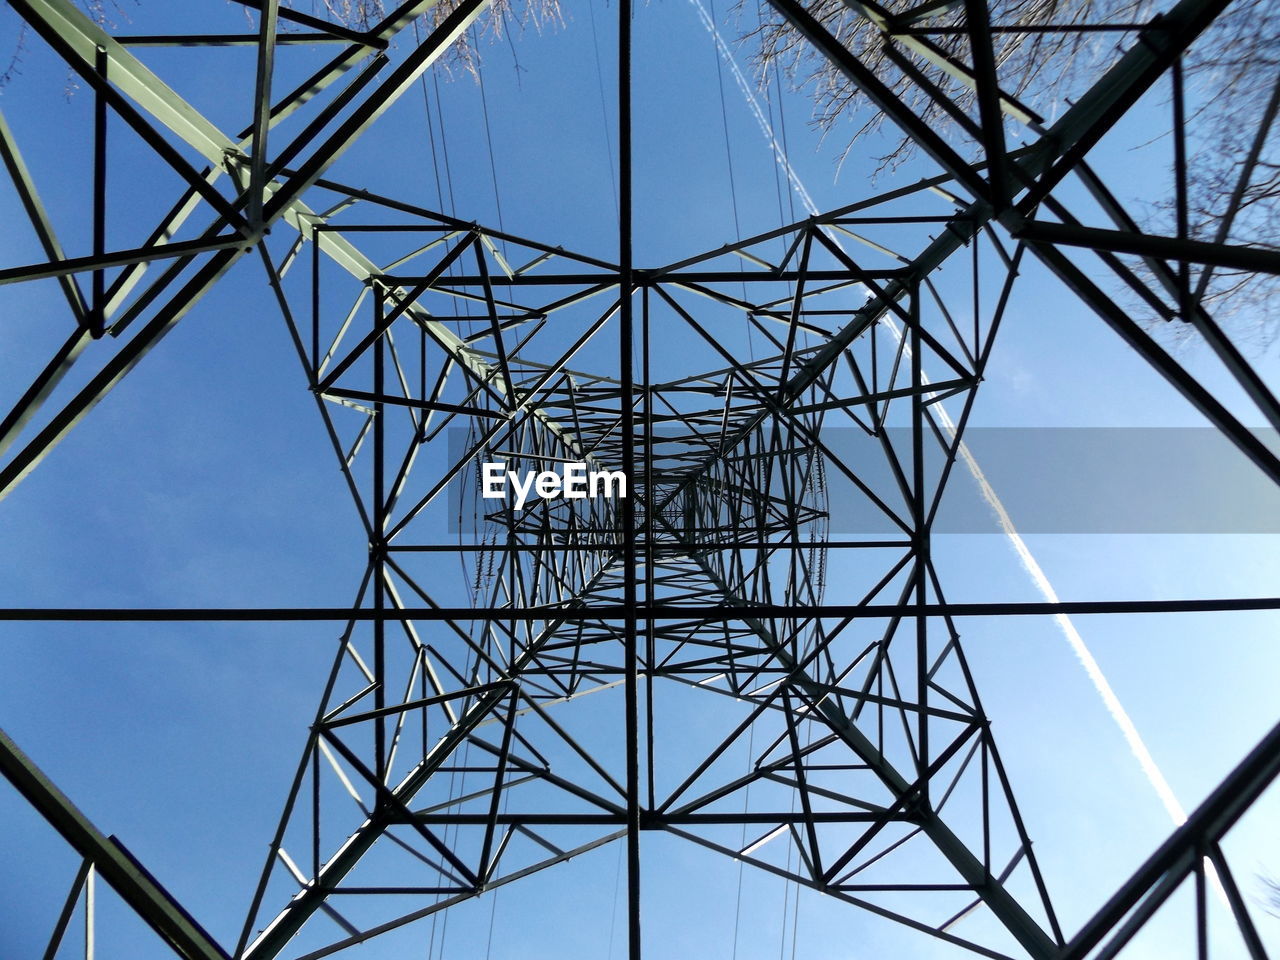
(921, 539)
(98, 310)
(627, 511)
(378, 542)
(978, 20)
(262, 110)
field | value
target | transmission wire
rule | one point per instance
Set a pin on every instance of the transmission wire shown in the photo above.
(710, 14)
(613, 917)
(493, 906)
(724, 124)
(795, 908)
(746, 798)
(786, 149)
(444, 144)
(431, 130)
(604, 110)
(448, 171)
(488, 135)
(786, 153)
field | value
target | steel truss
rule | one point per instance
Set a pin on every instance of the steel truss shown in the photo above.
(666, 661)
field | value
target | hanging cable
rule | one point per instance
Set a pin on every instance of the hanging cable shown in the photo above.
(795, 903)
(746, 799)
(786, 888)
(448, 172)
(473, 587)
(493, 906)
(488, 136)
(786, 153)
(795, 923)
(724, 124)
(777, 175)
(617, 887)
(786, 147)
(709, 22)
(604, 109)
(1133, 739)
(444, 144)
(431, 130)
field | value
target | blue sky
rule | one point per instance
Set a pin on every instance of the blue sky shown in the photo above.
(206, 479)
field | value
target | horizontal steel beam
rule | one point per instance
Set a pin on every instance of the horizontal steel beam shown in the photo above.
(1146, 245)
(613, 611)
(655, 820)
(643, 278)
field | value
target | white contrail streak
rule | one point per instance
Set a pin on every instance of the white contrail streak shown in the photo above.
(1029, 563)
(753, 103)
(1078, 646)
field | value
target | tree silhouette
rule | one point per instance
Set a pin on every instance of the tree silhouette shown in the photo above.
(1232, 77)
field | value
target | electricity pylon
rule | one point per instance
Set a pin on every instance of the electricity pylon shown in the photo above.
(672, 660)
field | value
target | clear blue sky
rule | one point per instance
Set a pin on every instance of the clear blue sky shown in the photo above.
(206, 479)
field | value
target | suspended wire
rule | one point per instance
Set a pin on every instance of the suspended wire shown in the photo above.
(488, 136)
(753, 103)
(473, 587)
(786, 153)
(795, 907)
(780, 150)
(724, 124)
(784, 216)
(708, 19)
(431, 130)
(617, 887)
(448, 173)
(493, 913)
(604, 109)
(777, 177)
(737, 907)
(444, 144)
(1031, 566)
(787, 884)
(457, 788)
(746, 799)
(786, 149)
(493, 907)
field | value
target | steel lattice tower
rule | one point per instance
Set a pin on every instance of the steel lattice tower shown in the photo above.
(620, 657)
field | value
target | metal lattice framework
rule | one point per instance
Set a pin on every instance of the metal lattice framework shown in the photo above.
(598, 628)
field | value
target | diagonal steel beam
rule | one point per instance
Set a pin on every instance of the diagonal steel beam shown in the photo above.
(1177, 856)
(290, 921)
(30, 197)
(1047, 162)
(151, 902)
(83, 39)
(1002, 904)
